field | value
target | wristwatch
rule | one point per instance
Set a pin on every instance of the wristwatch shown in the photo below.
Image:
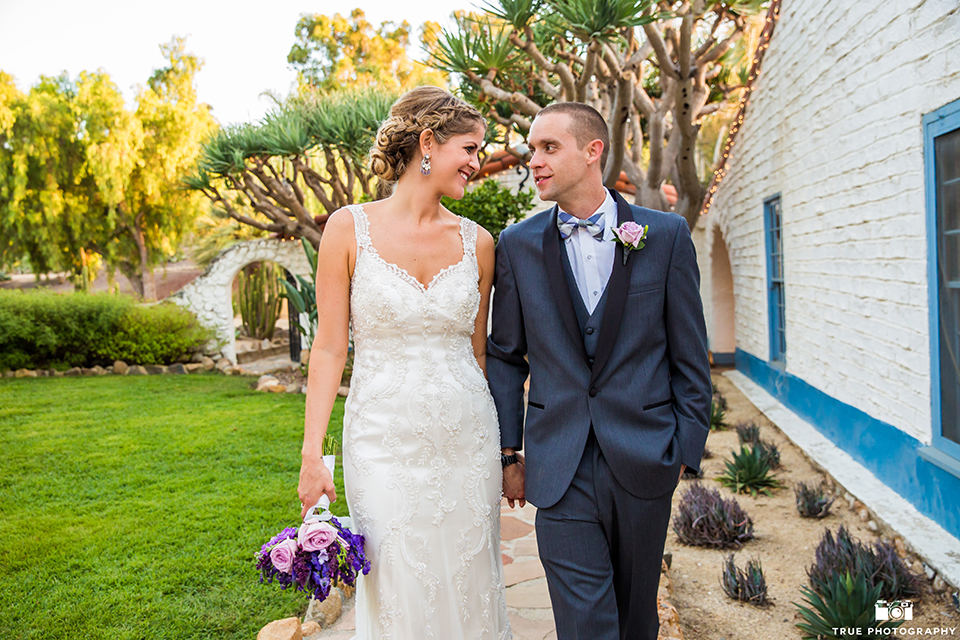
(507, 460)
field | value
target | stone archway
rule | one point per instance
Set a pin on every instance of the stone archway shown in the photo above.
(723, 341)
(210, 295)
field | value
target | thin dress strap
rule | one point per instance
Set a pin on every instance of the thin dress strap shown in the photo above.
(468, 231)
(361, 226)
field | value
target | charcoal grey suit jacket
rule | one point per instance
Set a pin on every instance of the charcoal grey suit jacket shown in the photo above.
(647, 392)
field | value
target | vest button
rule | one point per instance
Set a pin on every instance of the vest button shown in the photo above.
(593, 392)
(589, 331)
(590, 360)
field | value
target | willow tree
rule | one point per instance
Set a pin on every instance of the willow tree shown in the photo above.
(304, 161)
(84, 178)
(653, 69)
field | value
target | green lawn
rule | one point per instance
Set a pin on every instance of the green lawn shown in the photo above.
(131, 507)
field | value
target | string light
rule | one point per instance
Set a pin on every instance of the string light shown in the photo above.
(773, 14)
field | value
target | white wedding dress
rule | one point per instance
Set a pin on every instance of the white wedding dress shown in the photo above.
(421, 453)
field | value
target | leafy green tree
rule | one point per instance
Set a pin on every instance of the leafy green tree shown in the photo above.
(84, 179)
(45, 186)
(333, 52)
(653, 69)
(303, 161)
(492, 206)
(155, 214)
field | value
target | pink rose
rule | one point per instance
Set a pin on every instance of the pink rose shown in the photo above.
(630, 233)
(282, 555)
(316, 536)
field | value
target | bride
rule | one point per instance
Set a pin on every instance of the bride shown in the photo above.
(421, 447)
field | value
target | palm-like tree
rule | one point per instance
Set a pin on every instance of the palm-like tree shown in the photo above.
(653, 69)
(304, 160)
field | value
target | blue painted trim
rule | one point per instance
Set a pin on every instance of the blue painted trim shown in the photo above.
(943, 120)
(887, 452)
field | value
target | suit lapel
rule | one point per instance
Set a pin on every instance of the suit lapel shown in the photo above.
(552, 246)
(616, 294)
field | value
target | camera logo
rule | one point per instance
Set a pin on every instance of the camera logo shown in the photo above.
(894, 610)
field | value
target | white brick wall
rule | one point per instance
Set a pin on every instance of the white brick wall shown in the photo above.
(835, 127)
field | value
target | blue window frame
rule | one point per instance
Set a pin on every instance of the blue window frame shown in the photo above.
(941, 149)
(773, 230)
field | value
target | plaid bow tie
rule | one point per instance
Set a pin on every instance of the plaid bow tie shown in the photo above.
(569, 223)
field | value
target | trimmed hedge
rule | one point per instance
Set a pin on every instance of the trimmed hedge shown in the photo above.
(48, 330)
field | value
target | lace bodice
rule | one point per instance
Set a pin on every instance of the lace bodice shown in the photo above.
(448, 304)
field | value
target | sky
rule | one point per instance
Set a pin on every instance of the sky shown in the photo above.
(244, 44)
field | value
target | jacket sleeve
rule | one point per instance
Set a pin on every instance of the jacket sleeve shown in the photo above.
(687, 347)
(507, 367)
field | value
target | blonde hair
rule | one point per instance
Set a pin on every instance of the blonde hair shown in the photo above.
(414, 112)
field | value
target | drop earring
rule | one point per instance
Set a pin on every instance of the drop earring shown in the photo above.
(425, 165)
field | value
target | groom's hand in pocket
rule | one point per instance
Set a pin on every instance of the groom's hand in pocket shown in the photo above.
(513, 483)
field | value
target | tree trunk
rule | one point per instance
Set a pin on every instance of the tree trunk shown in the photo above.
(148, 287)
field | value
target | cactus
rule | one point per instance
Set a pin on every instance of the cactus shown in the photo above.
(259, 300)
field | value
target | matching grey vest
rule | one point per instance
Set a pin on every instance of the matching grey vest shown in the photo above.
(589, 322)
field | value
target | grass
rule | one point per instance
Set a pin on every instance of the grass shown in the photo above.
(132, 507)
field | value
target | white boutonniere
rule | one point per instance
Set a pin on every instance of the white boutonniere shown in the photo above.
(631, 236)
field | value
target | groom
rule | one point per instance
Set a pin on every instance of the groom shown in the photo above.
(615, 346)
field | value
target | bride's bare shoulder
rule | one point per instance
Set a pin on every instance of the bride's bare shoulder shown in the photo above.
(339, 228)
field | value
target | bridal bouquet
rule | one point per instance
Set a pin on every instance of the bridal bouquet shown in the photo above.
(318, 554)
(313, 557)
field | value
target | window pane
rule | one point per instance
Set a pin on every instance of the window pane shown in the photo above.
(947, 148)
(948, 204)
(772, 222)
(947, 171)
(949, 258)
(950, 364)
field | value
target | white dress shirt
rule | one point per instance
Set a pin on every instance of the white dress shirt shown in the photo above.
(592, 260)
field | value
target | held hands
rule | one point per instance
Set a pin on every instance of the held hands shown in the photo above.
(513, 482)
(315, 481)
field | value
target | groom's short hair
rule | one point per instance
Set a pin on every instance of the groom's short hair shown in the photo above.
(586, 125)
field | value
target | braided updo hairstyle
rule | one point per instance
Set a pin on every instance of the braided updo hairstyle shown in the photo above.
(415, 111)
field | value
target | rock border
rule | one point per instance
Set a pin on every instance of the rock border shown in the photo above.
(198, 364)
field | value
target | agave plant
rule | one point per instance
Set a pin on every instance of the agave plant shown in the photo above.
(849, 603)
(304, 298)
(747, 585)
(880, 565)
(706, 519)
(749, 472)
(718, 410)
(749, 433)
(813, 501)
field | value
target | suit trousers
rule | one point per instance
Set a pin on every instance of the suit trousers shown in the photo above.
(602, 549)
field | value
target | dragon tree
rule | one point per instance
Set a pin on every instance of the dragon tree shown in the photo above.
(304, 161)
(653, 69)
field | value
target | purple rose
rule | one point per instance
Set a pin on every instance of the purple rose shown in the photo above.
(282, 555)
(316, 536)
(630, 233)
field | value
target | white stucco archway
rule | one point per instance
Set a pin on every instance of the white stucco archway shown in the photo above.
(210, 295)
